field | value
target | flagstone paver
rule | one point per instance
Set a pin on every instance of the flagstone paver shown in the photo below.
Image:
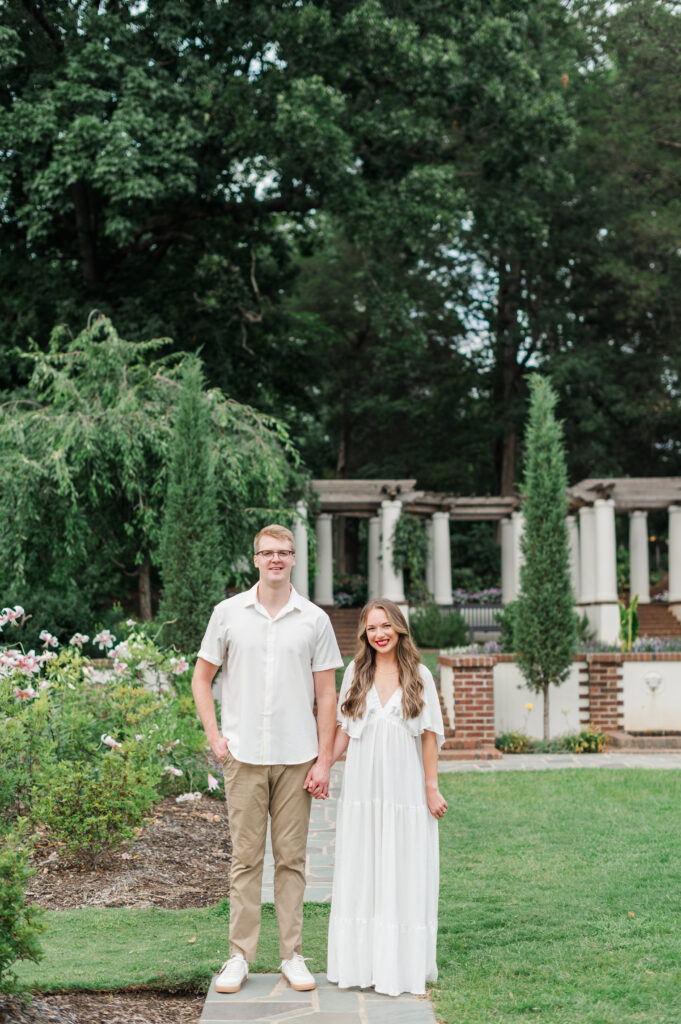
(268, 999)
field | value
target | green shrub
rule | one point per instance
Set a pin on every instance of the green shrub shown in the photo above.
(430, 627)
(588, 741)
(20, 925)
(350, 590)
(25, 751)
(89, 807)
(513, 743)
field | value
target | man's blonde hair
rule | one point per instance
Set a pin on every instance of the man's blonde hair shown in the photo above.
(276, 531)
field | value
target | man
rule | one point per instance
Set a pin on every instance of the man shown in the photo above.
(278, 652)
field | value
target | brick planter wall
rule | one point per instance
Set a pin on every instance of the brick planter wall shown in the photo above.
(604, 685)
(605, 705)
(473, 708)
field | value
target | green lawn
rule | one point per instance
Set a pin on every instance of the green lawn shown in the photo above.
(560, 902)
(110, 948)
(561, 898)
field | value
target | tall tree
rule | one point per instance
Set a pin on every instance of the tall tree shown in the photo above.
(615, 358)
(544, 621)
(516, 126)
(190, 558)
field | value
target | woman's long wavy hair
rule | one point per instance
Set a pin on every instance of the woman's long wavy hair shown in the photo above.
(408, 662)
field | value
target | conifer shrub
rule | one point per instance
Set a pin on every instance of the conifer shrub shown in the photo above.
(191, 564)
(544, 617)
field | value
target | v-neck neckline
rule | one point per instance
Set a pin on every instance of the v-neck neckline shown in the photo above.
(390, 698)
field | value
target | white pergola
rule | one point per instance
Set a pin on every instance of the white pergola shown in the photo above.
(592, 506)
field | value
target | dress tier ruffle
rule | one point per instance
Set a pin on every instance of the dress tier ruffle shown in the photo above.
(383, 925)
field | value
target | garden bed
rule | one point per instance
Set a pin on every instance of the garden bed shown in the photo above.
(179, 860)
(104, 1008)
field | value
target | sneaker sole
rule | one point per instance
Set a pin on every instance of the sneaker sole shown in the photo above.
(305, 987)
(228, 989)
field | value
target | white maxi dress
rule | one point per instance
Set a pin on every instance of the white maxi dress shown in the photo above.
(383, 924)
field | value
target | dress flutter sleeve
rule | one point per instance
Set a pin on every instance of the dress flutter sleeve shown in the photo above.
(430, 719)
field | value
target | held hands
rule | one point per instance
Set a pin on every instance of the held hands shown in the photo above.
(437, 805)
(317, 781)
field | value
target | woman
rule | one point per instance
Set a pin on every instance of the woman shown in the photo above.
(383, 925)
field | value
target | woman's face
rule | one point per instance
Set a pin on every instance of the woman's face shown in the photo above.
(380, 634)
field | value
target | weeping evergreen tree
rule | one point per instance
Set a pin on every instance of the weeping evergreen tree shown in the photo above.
(544, 625)
(191, 568)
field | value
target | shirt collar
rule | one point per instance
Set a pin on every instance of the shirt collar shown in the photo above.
(295, 601)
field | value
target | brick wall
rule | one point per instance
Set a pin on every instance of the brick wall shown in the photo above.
(605, 705)
(473, 708)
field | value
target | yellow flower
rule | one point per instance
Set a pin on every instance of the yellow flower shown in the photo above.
(529, 706)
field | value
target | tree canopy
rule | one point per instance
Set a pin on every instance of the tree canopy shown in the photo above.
(372, 218)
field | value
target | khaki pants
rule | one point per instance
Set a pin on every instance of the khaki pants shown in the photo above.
(252, 791)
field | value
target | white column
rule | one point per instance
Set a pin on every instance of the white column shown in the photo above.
(587, 555)
(392, 582)
(674, 551)
(518, 521)
(299, 572)
(508, 592)
(606, 554)
(442, 559)
(639, 571)
(608, 628)
(430, 559)
(323, 581)
(573, 551)
(374, 559)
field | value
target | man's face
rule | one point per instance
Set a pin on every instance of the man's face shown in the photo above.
(273, 565)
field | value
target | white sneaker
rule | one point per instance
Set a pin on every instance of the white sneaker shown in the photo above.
(233, 974)
(297, 974)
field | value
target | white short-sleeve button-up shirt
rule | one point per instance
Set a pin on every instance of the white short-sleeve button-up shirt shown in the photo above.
(267, 665)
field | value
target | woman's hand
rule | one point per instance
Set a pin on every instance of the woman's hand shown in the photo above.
(437, 805)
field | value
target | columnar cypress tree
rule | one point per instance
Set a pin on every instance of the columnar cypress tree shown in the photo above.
(544, 629)
(191, 569)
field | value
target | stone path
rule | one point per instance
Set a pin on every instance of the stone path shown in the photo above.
(551, 762)
(268, 999)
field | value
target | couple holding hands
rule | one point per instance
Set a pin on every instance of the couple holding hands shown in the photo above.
(278, 654)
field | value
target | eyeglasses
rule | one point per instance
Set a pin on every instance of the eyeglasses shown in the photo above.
(274, 554)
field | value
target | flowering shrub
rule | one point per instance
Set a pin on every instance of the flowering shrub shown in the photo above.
(588, 741)
(350, 591)
(58, 709)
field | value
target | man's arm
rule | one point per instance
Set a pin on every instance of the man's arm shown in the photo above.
(317, 781)
(203, 698)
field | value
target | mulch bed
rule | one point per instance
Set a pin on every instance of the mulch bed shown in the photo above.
(104, 1008)
(180, 859)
